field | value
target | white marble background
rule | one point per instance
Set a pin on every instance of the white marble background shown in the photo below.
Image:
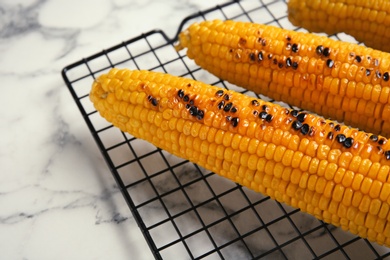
(57, 198)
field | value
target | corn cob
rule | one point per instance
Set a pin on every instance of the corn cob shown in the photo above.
(367, 21)
(338, 80)
(336, 173)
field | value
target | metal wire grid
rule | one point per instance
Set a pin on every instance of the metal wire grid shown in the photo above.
(187, 212)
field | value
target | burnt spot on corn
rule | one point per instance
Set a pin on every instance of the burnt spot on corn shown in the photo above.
(305, 129)
(193, 110)
(329, 63)
(228, 118)
(288, 38)
(374, 138)
(228, 107)
(200, 114)
(255, 112)
(341, 138)
(275, 61)
(320, 49)
(269, 56)
(252, 56)
(330, 136)
(226, 97)
(255, 103)
(288, 62)
(378, 74)
(294, 65)
(387, 155)
(348, 142)
(269, 118)
(264, 107)
(295, 48)
(326, 52)
(235, 121)
(368, 72)
(263, 115)
(186, 98)
(233, 110)
(219, 93)
(280, 65)
(301, 117)
(260, 56)
(180, 93)
(221, 104)
(358, 59)
(337, 128)
(386, 76)
(153, 100)
(242, 42)
(382, 141)
(296, 125)
(294, 113)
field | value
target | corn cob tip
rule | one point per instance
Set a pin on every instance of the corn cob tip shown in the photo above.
(182, 41)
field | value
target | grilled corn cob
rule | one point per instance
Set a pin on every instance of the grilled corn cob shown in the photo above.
(338, 80)
(336, 173)
(367, 21)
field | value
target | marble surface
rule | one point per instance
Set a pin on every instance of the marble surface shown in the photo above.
(58, 199)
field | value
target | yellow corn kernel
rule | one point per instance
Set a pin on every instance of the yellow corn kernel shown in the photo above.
(321, 172)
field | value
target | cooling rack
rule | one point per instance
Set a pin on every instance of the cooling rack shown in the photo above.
(184, 211)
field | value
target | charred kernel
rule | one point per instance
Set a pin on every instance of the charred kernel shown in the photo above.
(294, 47)
(368, 72)
(263, 115)
(301, 117)
(255, 103)
(326, 52)
(235, 121)
(263, 42)
(288, 38)
(188, 106)
(341, 138)
(269, 56)
(348, 142)
(226, 97)
(154, 102)
(296, 125)
(305, 129)
(193, 111)
(337, 128)
(288, 62)
(191, 102)
(233, 110)
(180, 93)
(382, 141)
(358, 58)
(374, 138)
(186, 98)
(330, 136)
(319, 49)
(252, 56)
(294, 113)
(189, 85)
(386, 76)
(312, 131)
(260, 56)
(200, 114)
(269, 118)
(255, 112)
(275, 61)
(387, 155)
(294, 65)
(219, 93)
(329, 63)
(228, 107)
(280, 65)
(264, 107)
(331, 124)
(221, 104)
(378, 74)
(228, 118)
(379, 148)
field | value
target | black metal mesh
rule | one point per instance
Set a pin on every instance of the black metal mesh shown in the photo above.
(183, 210)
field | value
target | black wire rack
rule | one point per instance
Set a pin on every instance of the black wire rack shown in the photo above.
(187, 212)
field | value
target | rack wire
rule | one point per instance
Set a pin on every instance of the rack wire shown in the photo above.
(183, 210)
